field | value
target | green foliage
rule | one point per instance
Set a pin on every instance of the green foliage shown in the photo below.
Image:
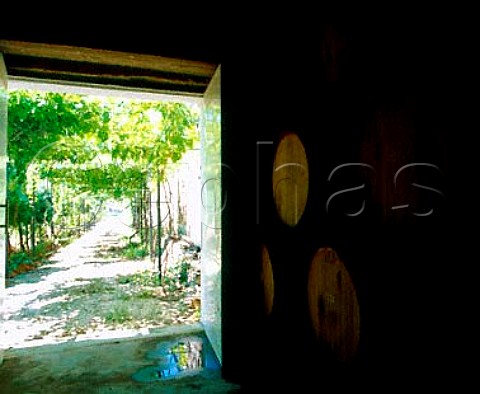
(19, 206)
(16, 259)
(134, 251)
(144, 278)
(144, 294)
(42, 251)
(119, 314)
(182, 230)
(131, 251)
(108, 146)
(43, 208)
(178, 276)
(183, 272)
(38, 119)
(94, 286)
(66, 151)
(39, 254)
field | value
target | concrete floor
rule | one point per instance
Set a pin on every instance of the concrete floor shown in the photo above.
(107, 366)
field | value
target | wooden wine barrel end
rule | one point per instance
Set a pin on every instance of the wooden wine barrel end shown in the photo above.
(290, 179)
(267, 281)
(333, 304)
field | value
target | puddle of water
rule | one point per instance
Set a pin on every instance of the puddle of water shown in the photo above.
(182, 356)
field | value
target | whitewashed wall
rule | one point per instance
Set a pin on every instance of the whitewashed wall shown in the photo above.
(211, 315)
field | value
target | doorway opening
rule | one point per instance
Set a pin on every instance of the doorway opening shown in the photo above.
(112, 246)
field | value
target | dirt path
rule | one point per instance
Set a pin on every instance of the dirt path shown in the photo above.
(88, 291)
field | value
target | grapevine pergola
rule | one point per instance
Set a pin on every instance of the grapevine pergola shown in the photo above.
(67, 149)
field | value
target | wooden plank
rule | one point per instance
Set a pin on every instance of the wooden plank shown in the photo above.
(108, 57)
(145, 81)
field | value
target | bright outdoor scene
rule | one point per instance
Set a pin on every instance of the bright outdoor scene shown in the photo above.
(103, 217)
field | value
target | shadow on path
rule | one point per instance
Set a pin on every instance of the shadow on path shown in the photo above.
(53, 301)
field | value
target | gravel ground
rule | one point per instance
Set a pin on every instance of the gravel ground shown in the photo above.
(86, 292)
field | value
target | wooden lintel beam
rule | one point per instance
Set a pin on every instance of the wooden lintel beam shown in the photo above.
(107, 57)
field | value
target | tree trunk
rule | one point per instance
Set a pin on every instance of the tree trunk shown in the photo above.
(27, 237)
(141, 216)
(150, 214)
(145, 217)
(52, 230)
(20, 237)
(32, 234)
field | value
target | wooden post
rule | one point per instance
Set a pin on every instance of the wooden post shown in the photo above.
(159, 231)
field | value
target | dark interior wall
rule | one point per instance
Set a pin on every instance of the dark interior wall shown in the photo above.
(169, 30)
(383, 94)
